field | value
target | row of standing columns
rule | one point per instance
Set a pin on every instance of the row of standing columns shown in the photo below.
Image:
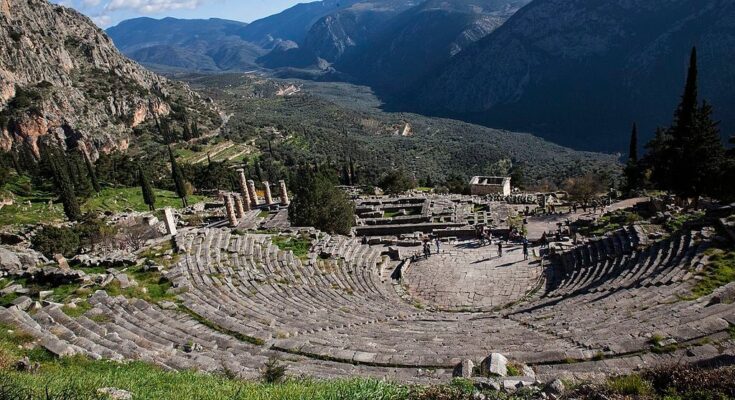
(237, 206)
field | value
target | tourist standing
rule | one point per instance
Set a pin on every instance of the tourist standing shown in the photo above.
(525, 249)
(500, 248)
(438, 245)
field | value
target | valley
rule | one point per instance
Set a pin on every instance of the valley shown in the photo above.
(330, 203)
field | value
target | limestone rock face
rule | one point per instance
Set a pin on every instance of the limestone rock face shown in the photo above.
(62, 78)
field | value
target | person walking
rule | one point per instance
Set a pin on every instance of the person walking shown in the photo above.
(438, 245)
(525, 249)
(500, 248)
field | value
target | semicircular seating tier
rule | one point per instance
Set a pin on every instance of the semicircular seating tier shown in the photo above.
(608, 305)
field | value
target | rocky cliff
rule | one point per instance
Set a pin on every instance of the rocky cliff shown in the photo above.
(62, 78)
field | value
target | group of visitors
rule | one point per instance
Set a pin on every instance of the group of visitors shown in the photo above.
(427, 246)
(485, 237)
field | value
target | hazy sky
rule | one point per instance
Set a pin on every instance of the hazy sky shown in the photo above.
(106, 13)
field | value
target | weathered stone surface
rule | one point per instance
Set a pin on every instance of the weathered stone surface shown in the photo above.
(170, 221)
(497, 364)
(466, 368)
(23, 302)
(17, 258)
(555, 387)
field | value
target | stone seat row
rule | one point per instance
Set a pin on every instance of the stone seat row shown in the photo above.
(292, 297)
(122, 329)
(436, 340)
(593, 267)
(629, 319)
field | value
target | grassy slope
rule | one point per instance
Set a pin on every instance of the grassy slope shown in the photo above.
(109, 199)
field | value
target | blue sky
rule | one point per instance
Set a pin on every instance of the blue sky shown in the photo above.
(106, 13)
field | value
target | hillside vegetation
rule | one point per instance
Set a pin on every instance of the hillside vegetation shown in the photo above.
(315, 124)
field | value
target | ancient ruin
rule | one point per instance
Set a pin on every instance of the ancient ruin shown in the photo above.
(482, 185)
(471, 296)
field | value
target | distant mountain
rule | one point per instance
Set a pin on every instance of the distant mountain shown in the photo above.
(340, 32)
(423, 38)
(293, 23)
(579, 72)
(63, 80)
(391, 43)
(194, 45)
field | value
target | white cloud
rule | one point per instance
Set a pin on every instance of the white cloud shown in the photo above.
(151, 6)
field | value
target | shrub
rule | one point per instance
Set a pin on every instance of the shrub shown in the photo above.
(632, 385)
(56, 240)
(274, 371)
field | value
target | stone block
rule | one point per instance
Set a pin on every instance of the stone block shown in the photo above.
(497, 364)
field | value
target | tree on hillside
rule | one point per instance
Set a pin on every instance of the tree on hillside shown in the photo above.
(149, 196)
(396, 182)
(688, 157)
(319, 203)
(178, 177)
(584, 188)
(63, 182)
(195, 130)
(633, 175)
(91, 172)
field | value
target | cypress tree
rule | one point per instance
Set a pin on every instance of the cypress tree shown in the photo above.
(178, 177)
(91, 171)
(149, 196)
(633, 175)
(688, 158)
(64, 184)
(633, 150)
(258, 171)
(195, 130)
(187, 135)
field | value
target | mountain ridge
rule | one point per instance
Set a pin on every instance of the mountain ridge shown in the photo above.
(63, 80)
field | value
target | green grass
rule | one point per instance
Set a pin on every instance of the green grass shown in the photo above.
(677, 222)
(299, 246)
(109, 199)
(632, 385)
(75, 312)
(121, 199)
(84, 377)
(152, 287)
(719, 271)
(611, 222)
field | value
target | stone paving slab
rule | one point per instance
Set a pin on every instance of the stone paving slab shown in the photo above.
(468, 276)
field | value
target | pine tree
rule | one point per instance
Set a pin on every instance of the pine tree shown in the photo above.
(186, 134)
(353, 172)
(633, 175)
(689, 157)
(91, 171)
(633, 150)
(195, 130)
(64, 184)
(346, 179)
(149, 196)
(258, 171)
(178, 177)
(319, 203)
